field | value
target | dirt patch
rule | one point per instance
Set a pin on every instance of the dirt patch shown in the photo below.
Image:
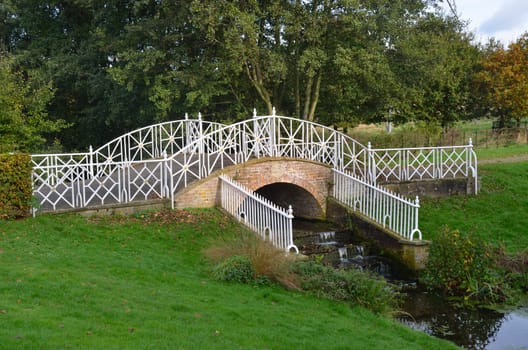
(512, 159)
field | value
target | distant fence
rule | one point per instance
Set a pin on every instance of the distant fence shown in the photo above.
(482, 138)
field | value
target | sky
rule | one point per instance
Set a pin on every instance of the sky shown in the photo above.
(505, 20)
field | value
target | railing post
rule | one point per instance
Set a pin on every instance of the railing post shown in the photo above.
(256, 132)
(471, 154)
(187, 131)
(417, 207)
(200, 134)
(164, 175)
(416, 229)
(338, 158)
(272, 136)
(371, 163)
(90, 159)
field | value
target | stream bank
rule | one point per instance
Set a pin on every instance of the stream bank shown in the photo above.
(468, 327)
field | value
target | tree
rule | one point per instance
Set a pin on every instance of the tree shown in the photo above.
(23, 103)
(292, 52)
(434, 65)
(503, 80)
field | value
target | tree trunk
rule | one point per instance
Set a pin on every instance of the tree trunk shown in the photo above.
(315, 98)
(307, 97)
(256, 80)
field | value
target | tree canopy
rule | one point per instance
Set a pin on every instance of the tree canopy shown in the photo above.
(503, 81)
(110, 66)
(23, 103)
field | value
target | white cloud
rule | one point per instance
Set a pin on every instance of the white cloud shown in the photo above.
(505, 20)
(510, 16)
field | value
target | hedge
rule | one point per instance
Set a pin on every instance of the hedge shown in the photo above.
(15, 185)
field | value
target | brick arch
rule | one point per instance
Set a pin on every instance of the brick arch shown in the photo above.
(285, 194)
(313, 177)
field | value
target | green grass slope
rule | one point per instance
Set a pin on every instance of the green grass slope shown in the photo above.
(498, 214)
(68, 282)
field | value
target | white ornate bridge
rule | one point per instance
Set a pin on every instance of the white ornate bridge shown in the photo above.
(160, 160)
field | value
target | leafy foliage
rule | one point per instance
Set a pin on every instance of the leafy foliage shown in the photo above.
(15, 185)
(121, 64)
(502, 80)
(352, 286)
(268, 263)
(237, 268)
(460, 265)
(250, 259)
(23, 109)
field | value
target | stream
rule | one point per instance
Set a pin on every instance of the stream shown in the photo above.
(470, 328)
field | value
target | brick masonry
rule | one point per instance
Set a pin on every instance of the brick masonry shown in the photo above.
(312, 177)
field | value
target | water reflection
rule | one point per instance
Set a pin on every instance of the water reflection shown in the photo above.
(471, 328)
(513, 333)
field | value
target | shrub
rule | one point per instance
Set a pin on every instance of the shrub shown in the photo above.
(460, 265)
(249, 258)
(269, 263)
(15, 185)
(237, 268)
(352, 286)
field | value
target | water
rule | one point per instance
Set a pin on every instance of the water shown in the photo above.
(339, 248)
(470, 328)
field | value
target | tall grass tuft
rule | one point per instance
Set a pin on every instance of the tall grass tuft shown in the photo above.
(268, 263)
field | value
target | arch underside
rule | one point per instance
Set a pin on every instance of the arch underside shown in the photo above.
(304, 204)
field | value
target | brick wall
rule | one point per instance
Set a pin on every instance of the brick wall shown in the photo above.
(314, 178)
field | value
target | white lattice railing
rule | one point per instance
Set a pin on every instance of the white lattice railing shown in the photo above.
(385, 207)
(266, 136)
(408, 164)
(267, 219)
(127, 168)
(159, 160)
(71, 185)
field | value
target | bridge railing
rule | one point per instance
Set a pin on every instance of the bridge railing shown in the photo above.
(79, 184)
(385, 207)
(195, 148)
(407, 164)
(97, 177)
(266, 136)
(267, 219)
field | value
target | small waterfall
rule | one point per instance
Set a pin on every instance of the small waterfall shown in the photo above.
(327, 238)
(360, 250)
(343, 253)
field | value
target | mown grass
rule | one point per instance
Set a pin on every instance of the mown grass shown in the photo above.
(68, 282)
(498, 214)
(499, 153)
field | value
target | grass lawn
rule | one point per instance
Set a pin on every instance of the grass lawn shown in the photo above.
(514, 150)
(498, 214)
(68, 282)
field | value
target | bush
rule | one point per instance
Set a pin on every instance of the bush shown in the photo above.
(460, 265)
(269, 263)
(352, 286)
(15, 185)
(236, 268)
(251, 259)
